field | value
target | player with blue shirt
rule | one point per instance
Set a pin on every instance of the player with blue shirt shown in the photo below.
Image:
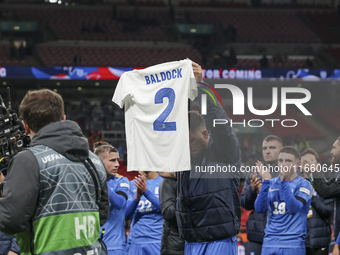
(145, 210)
(118, 187)
(288, 199)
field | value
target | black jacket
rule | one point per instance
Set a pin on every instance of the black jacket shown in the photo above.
(22, 188)
(208, 205)
(172, 243)
(319, 225)
(326, 190)
(256, 222)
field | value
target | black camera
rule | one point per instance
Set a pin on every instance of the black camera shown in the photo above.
(13, 137)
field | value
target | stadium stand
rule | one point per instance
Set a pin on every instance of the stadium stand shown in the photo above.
(98, 56)
(290, 63)
(275, 23)
(5, 57)
(327, 25)
(261, 27)
(98, 25)
(335, 52)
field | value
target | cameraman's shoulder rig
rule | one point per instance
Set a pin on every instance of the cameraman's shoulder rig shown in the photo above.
(13, 137)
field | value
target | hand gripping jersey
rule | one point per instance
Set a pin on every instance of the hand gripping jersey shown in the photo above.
(156, 115)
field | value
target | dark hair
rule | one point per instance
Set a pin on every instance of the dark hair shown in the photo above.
(272, 138)
(290, 150)
(41, 107)
(196, 121)
(311, 151)
(103, 147)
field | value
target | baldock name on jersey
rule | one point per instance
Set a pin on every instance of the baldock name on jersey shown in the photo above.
(163, 76)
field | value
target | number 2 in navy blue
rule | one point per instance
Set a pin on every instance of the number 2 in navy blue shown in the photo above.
(160, 124)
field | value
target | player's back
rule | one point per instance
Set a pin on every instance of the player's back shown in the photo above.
(147, 222)
(284, 229)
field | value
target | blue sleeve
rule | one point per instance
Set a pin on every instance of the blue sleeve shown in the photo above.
(132, 203)
(153, 199)
(132, 191)
(262, 200)
(304, 191)
(14, 246)
(131, 208)
(116, 200)
(294, 202)
(248, 195)
(338, 240)
(123, 186)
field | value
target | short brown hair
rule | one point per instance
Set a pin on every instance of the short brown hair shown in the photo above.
(290, 150)
(41, 107)
(103, 147)
(196, 121)
(311, 151)
(272, 138)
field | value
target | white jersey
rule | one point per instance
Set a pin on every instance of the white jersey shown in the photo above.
(156, 116)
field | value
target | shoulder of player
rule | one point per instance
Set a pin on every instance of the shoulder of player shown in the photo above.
(157, 181)
(121, 177)
(304, 182)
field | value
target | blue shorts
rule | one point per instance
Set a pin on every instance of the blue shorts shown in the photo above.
(227, 246)
(282, 251)
(116, 252)
(144, 249)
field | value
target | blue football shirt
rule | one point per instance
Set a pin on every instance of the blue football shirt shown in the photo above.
(114, 236)
(283, 229)
(147, 221)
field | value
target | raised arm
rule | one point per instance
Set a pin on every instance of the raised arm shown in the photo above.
(262, 200)
(133, 201)
(141, 185)
(326, 190)
(249, 192)
(301, 196)
(292, 203)
(223, 135)
(131, 208)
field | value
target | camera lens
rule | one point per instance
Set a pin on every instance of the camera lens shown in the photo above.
(20, 143)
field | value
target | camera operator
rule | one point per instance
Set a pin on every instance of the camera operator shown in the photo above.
(52, 200)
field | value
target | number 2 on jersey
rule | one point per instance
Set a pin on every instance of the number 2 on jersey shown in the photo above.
(160, 124)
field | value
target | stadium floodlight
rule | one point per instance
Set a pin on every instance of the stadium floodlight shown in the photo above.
(53, 1)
